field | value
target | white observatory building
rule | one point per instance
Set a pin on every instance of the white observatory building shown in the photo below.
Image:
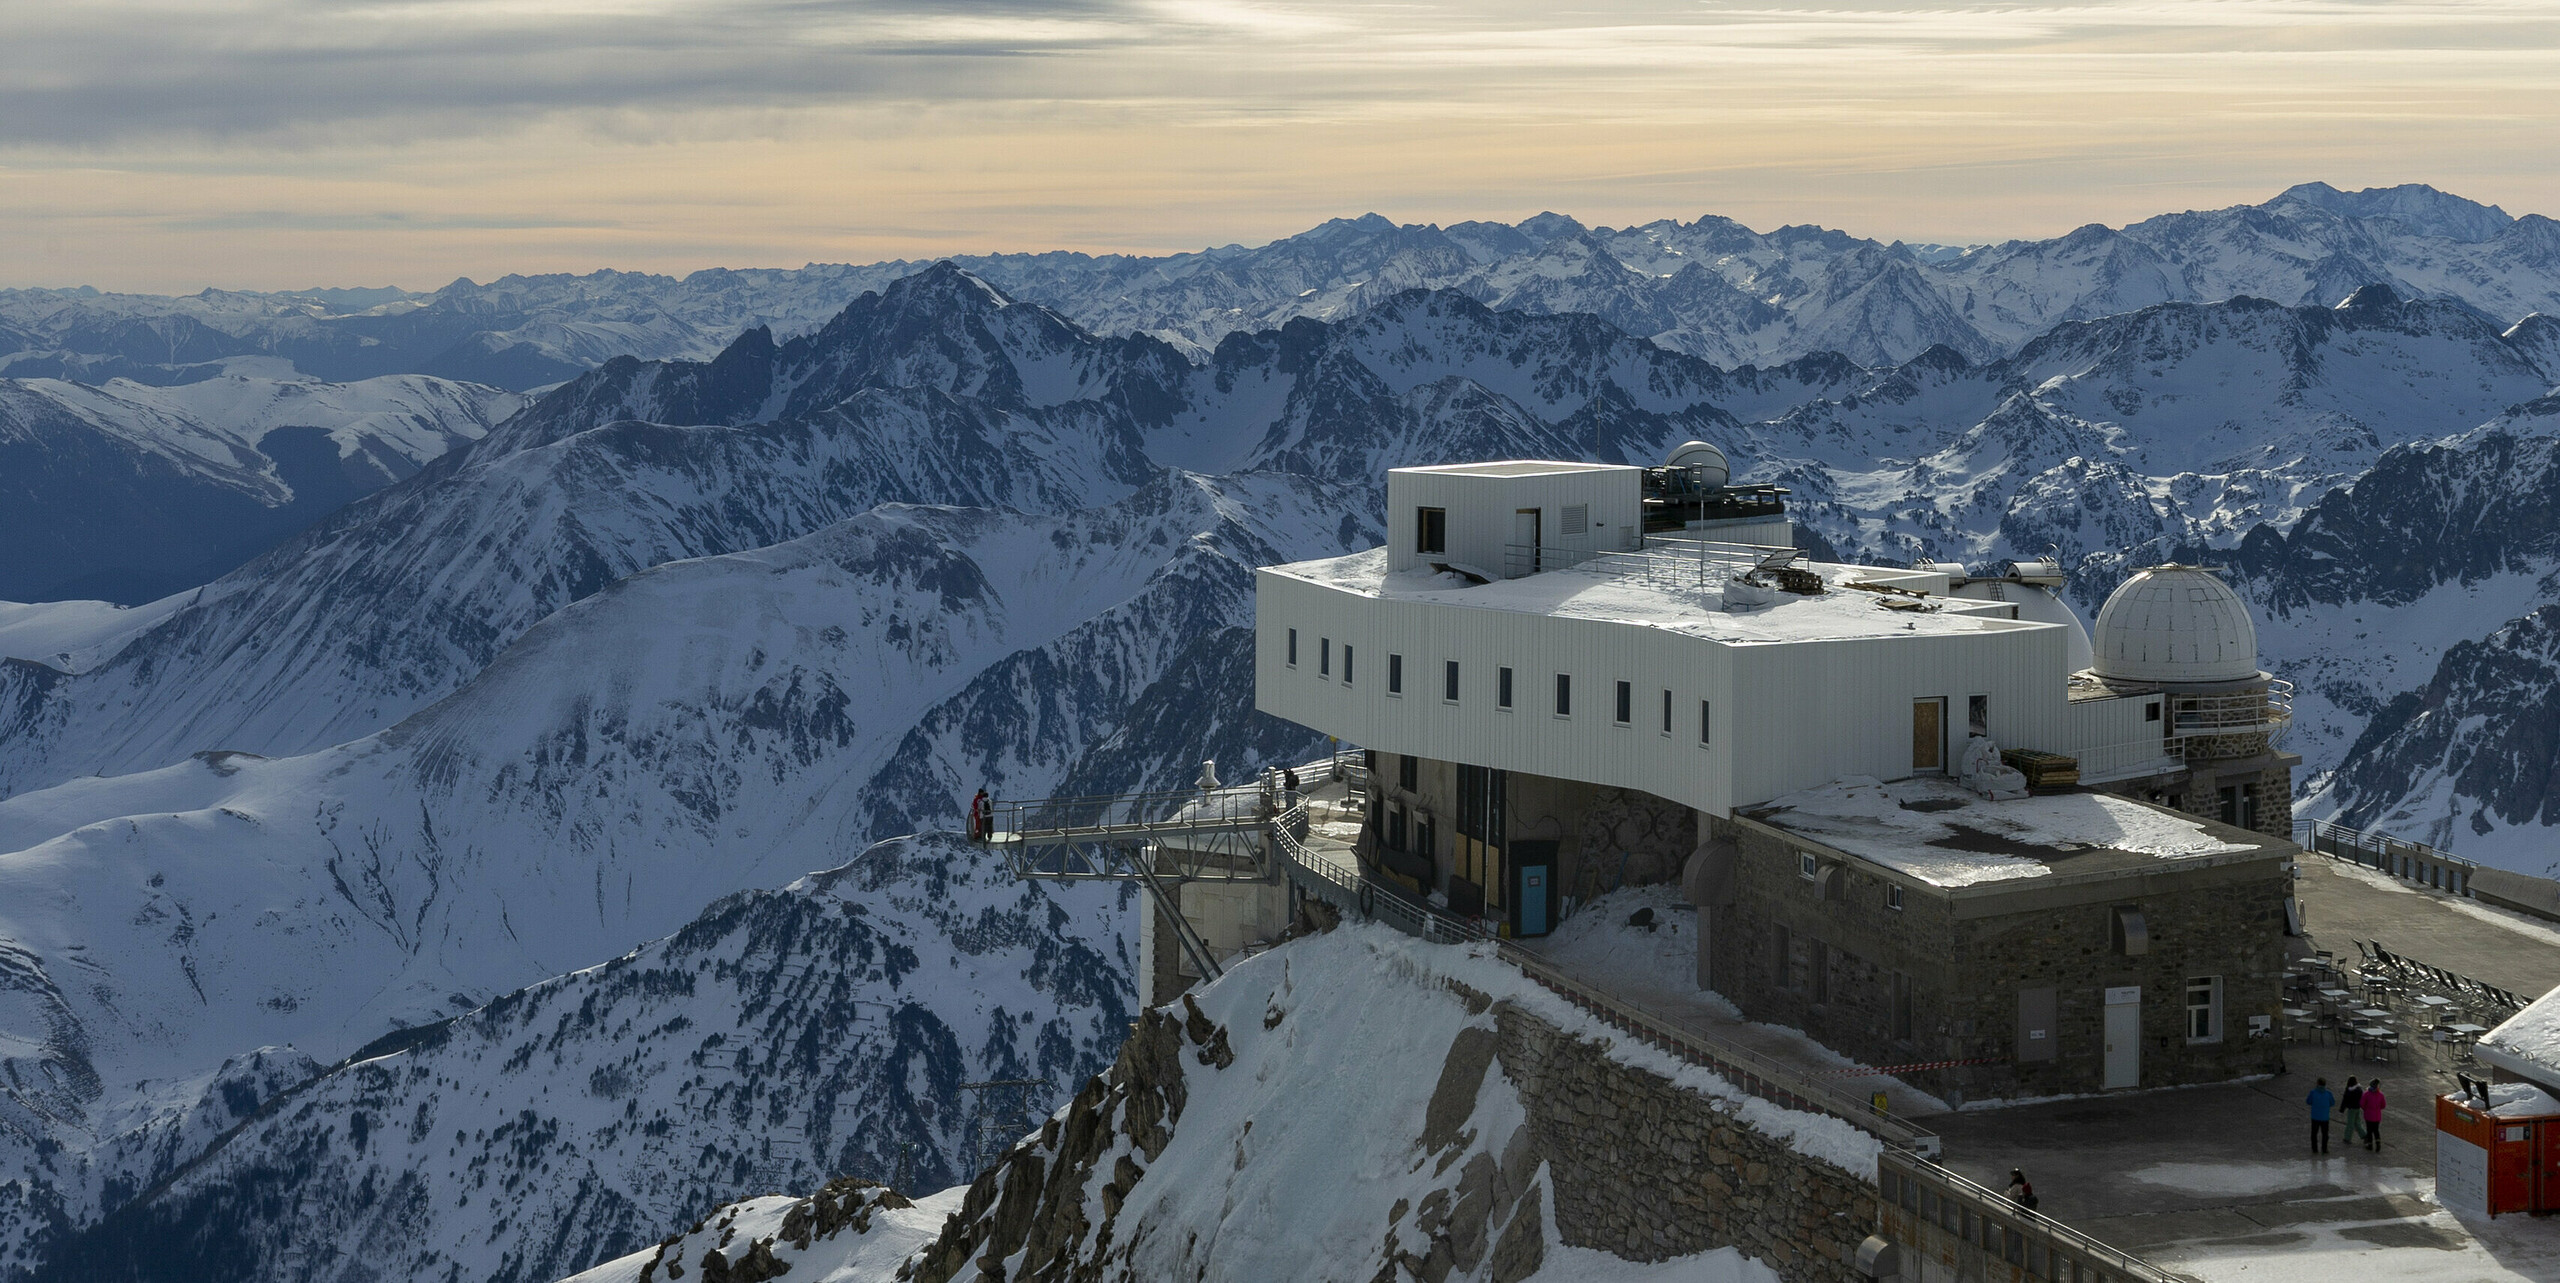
(1922, 813)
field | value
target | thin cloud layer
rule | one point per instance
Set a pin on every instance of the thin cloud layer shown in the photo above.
(169, 142)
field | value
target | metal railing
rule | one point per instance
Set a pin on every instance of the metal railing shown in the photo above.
(2415, 863)
(1353, 890)
(2270, 710)
(1674, 563)
(1920, 1200)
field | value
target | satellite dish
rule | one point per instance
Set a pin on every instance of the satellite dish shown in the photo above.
(1706, 461)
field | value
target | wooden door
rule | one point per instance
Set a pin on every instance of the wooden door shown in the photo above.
(1928, 735)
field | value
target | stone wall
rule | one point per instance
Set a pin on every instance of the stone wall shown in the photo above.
(1636, 1166)
(1647, 1170)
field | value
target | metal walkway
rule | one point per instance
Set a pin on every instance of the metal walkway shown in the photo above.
(1160, 840)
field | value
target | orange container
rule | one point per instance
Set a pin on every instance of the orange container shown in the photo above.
(2486, 1163)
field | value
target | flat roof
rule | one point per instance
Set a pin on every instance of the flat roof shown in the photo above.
(1518, 468)
(2527, 1044)
(1946, 835)
(1668, 590)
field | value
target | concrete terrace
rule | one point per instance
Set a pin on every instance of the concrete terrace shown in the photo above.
(2214, 1182)
(2218, 1181)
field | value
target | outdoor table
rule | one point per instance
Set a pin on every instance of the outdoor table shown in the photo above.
(2434, 1000)
(2298, 1013)
(2335, 995)
(2374, 1013)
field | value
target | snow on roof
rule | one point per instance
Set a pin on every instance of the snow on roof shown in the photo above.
(2521, 1100)
(1518, 468)
(1947, 835)
(2527, 1044)
(1600, 591)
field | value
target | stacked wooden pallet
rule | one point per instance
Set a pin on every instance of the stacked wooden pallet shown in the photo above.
(2043, 770)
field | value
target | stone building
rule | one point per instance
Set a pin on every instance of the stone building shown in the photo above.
(1567, 686)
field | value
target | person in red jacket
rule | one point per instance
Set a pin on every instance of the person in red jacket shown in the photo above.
(2372, 1106)
(982, 817)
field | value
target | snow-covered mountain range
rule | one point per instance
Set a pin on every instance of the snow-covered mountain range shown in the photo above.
(779, 1037)
(687, 628)
(129, 492)
(1712, 288)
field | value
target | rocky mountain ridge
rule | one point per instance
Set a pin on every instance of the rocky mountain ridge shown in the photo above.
(1712, 287)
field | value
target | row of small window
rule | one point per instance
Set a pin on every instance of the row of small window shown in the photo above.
(1502, 687)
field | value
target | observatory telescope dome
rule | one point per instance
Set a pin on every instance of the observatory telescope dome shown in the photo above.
(1712, 468)
(2175, 625)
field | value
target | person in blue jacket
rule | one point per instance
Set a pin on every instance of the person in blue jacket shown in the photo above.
(2320, 1102)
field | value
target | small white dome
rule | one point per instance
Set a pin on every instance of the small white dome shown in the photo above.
(2176, 625)
(1713, 470)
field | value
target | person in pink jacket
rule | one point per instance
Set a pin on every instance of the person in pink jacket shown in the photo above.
(2372, 1108)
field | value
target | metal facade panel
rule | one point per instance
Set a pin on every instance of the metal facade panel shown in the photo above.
(1788, 716)
(1588, 745)
(1813, 712)
(1480, 509)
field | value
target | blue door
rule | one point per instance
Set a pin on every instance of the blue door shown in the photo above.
(1533, 900)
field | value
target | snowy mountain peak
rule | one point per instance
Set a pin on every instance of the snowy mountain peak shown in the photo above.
(2415, 206)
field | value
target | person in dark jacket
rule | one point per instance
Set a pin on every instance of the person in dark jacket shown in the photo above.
(2351, 1104)
(2371, 1106)
(2320, 1102)
(982, 817)
(2021, 1192)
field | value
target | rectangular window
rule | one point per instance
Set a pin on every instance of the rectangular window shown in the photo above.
(1818, 965)
(1449, 681)
(1893, 897)
(1977, 715)
(1502, 688)
(2151, 711)
(1666, 712)
(2204, 1009)
(1564, 696)
(1706, 725)
(1409, 772)
(1431, 530)
(1293, 648)
(1324, 657)
(1395, 829)
(1807, 867)
(1395, 674)
(1626, 703)
(1346, 663)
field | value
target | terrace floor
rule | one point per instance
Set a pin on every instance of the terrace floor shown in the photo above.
(2219, 1182)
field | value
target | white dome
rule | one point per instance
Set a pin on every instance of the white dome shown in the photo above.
(2177, 625)
(1713, 470)
(2042, 606)
(2037, 605)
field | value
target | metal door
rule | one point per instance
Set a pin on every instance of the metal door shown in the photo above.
(2124, 1038)
(1533, 881)
(1524, 537)
(1533, 900)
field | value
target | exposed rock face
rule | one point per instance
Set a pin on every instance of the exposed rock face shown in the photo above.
(1528, 1144)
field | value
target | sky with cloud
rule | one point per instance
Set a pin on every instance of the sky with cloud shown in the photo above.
(172, 144)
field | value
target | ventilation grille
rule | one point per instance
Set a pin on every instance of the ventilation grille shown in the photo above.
(1577, 518)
